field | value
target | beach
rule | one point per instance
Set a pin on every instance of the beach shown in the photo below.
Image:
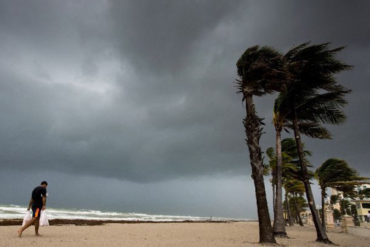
(230, 234)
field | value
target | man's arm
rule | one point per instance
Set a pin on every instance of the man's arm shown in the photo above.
(30, 204)
(43, 203)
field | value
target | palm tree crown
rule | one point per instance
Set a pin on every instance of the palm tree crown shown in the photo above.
(334, 170)
(262, 71)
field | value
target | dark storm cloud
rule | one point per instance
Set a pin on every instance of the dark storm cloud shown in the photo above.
(143, 90)
(160, 36)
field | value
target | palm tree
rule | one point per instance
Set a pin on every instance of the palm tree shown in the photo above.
(290, 171)
(314, 96)
(260, 71)
(271, 168)
(284, 165)
(295, 187)
(279, 223)
(332, 171)
(287, 206)
(281, 121)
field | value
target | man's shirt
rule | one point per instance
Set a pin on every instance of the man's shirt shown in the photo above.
(37, 195)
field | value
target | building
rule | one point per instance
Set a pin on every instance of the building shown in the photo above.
(362, 204)
(363, 208)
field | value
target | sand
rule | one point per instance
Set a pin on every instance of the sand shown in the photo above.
(166, 234)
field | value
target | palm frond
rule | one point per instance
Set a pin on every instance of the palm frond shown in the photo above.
(312, 129)
(261, 70)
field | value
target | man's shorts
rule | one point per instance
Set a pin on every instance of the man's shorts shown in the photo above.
(36, 211)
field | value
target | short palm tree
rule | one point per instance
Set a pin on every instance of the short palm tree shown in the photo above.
(290, 169)
(333, 171)
(296, 188)
(280, 161)
(286, 166)
(260, 70)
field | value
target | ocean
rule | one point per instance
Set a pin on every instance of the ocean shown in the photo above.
(18, 212)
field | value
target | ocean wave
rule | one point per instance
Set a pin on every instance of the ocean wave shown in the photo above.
(18, 212)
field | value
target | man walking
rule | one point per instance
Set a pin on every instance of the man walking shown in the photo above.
(38, 203)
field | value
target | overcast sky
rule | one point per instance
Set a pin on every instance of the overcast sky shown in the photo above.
(130, 105)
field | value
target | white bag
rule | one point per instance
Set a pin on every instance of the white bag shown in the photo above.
(27, 217)
(44, 218)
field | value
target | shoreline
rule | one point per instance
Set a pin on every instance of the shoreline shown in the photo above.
(83, 222)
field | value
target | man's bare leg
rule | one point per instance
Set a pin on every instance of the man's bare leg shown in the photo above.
(37, 224)
(20, 230)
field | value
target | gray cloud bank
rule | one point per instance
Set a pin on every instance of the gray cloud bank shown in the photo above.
(143, 90)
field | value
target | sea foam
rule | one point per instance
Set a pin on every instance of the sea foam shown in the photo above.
(18, 212)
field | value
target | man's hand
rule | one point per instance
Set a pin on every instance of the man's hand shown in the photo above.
(28, 209)
(30, 204)
(43, 203)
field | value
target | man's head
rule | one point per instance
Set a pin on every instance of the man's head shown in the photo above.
(44, 184)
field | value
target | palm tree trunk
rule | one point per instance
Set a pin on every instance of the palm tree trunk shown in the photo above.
(290, 220)
(253, 130)
(273, 181)
(297, 210)
(323, 208)
(273, 192)
(279, 224)
(321, 234)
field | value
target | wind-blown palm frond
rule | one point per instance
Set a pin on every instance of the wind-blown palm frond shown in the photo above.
(313, 66)
(335, 170)
(262, 71)
(312, 129)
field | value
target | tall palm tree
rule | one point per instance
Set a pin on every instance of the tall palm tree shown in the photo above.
(279, 222)
(330, 173)
(281, 121)
(313, 92)
(260, 70)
